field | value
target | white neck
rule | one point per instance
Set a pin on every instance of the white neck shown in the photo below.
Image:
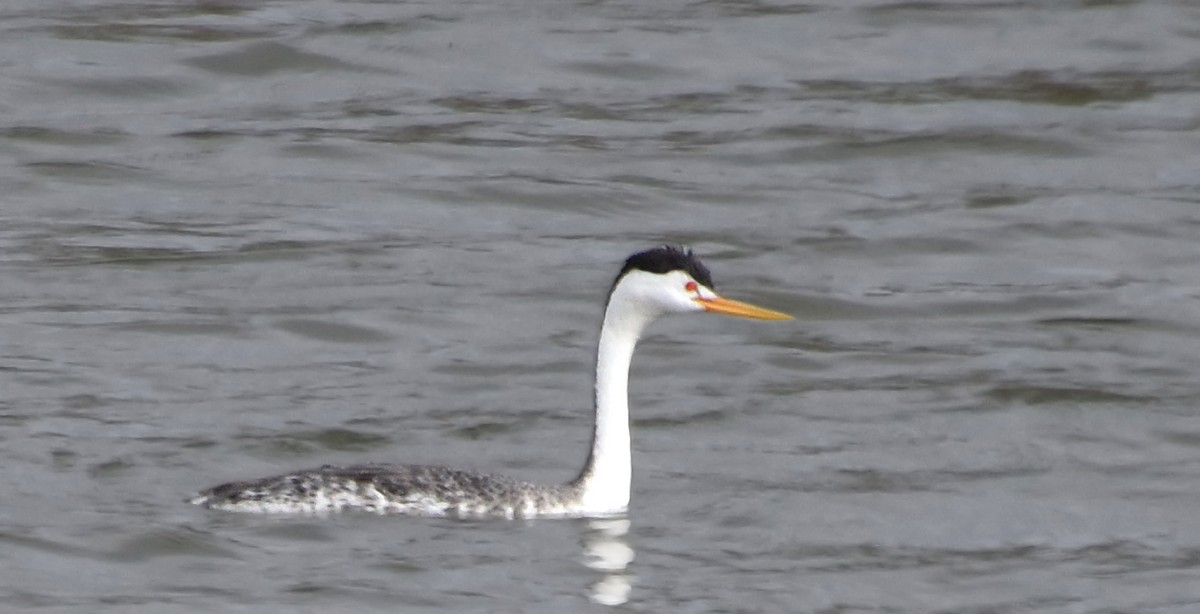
(605, 480)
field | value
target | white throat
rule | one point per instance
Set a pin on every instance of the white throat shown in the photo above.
(605, 480)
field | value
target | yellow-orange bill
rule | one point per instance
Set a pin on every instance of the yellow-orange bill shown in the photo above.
(731, 307)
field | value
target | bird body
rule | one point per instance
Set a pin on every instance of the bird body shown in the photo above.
(652, 283)
(418, 490)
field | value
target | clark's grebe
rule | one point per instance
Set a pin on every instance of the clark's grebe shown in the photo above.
(652, 283)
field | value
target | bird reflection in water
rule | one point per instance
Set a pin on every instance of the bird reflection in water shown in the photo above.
(607, 551)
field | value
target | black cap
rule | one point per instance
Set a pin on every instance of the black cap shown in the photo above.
(661, 260)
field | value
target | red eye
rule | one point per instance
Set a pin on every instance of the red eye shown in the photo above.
(691, 287)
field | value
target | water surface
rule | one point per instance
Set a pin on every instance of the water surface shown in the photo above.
(241, 239)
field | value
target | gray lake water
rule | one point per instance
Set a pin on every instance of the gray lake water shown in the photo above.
(242, 238)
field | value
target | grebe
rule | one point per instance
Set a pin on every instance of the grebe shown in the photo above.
(652, 283)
